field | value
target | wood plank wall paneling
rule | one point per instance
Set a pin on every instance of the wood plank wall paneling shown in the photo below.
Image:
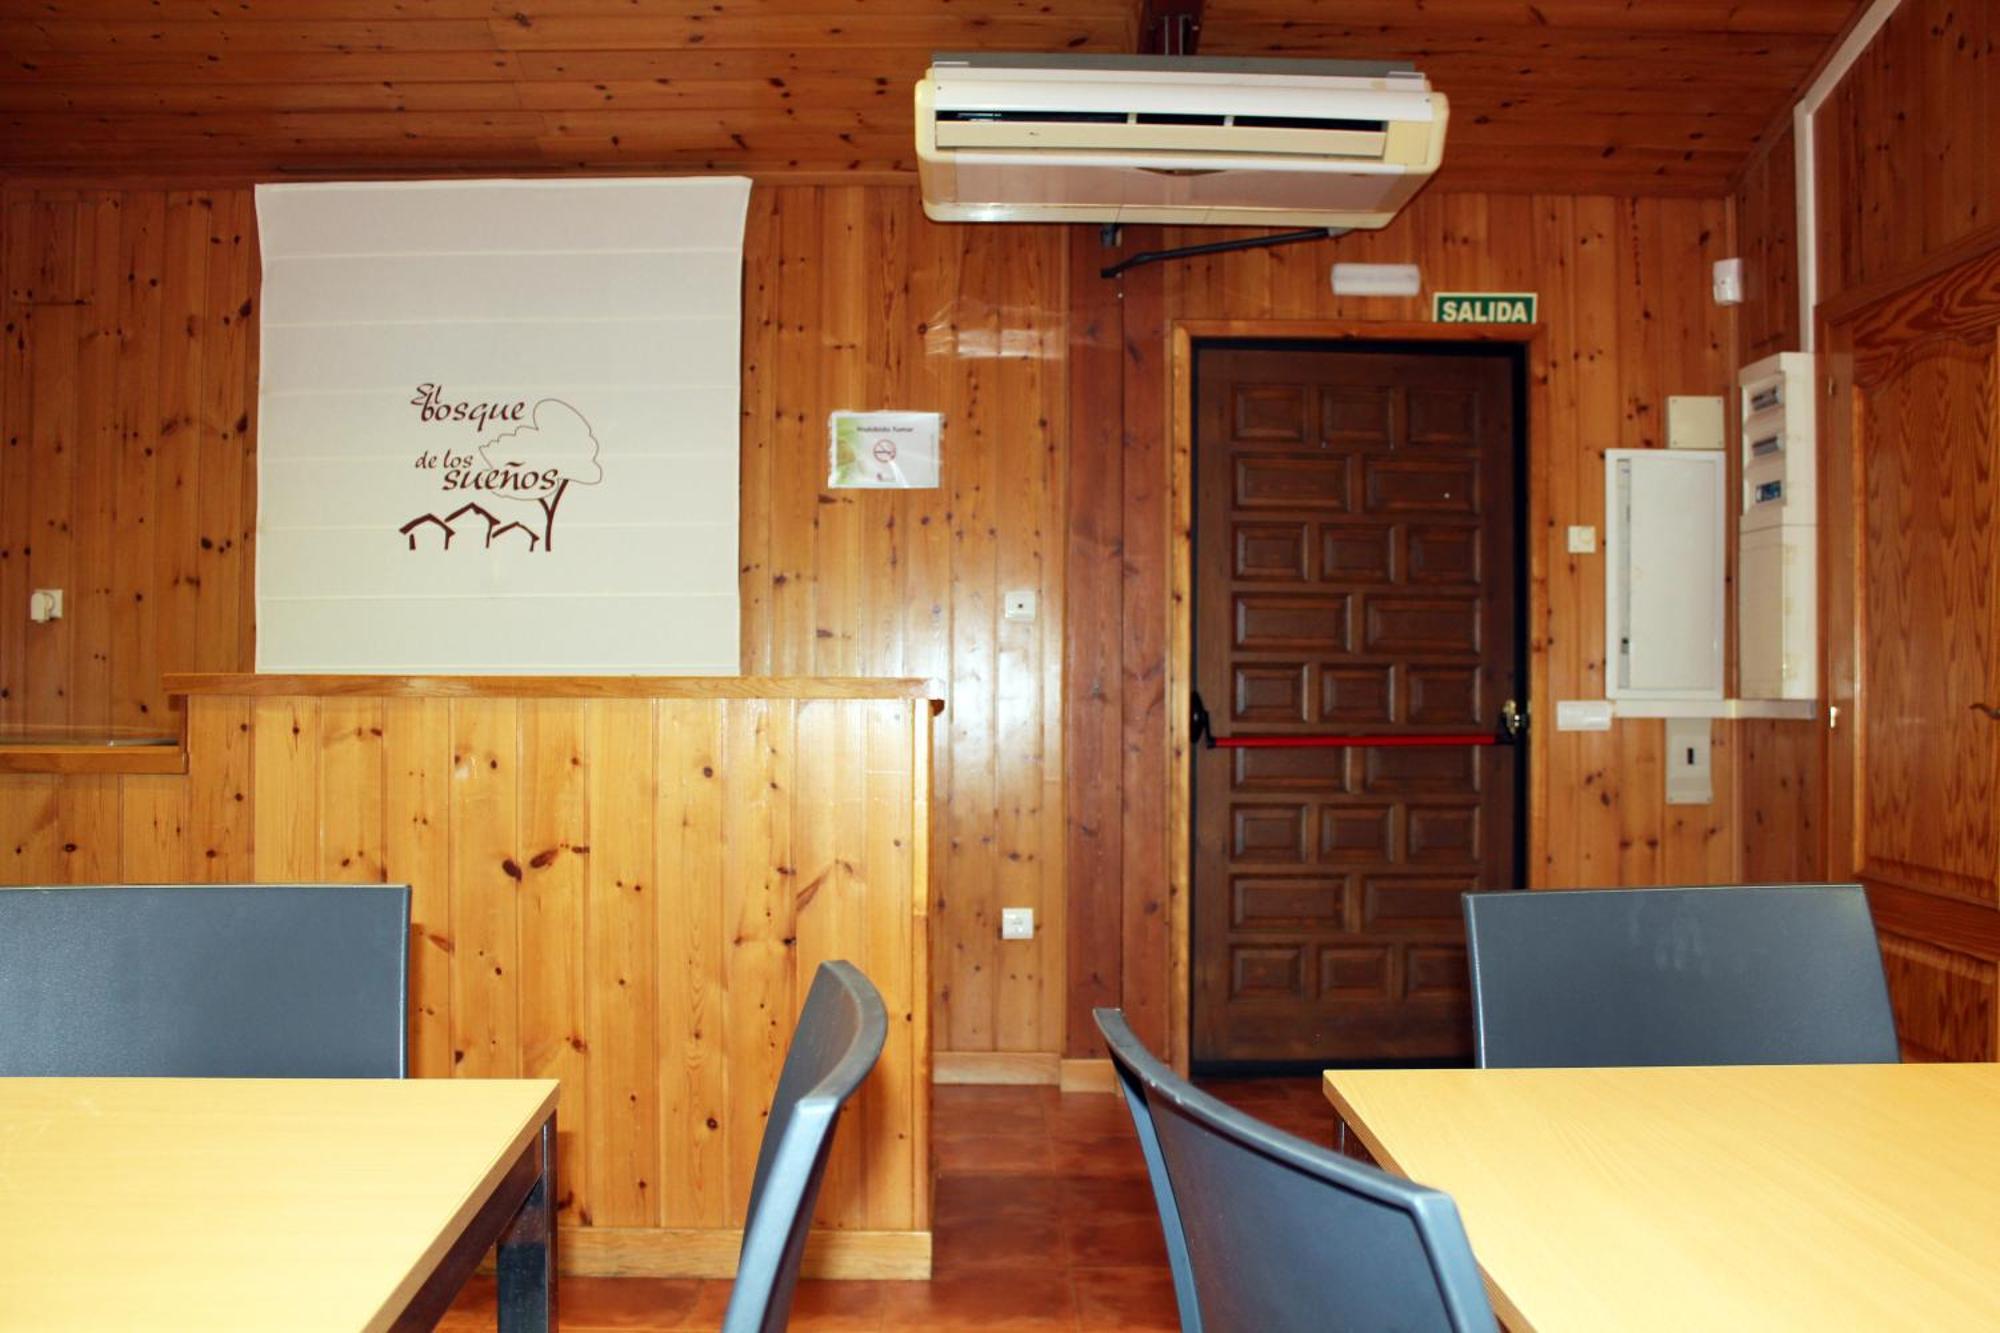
(1627, 324)
(1780, 778)
(1906, 179)
(127, 468)
(627, 894)
(853, 300)
(1905, 146)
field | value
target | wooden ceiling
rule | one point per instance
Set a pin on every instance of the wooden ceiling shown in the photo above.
(1623, 96)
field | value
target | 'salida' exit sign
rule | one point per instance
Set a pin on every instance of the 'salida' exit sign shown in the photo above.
(1483, 307)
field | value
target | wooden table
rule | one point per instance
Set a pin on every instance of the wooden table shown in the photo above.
(1801, 1197)
(265, 1204)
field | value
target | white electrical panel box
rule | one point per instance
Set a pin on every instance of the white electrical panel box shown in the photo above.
(1780, 472)
(1664, 546)
(1777, 578)
(1777, 650)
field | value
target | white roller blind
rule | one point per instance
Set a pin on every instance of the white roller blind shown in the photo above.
(498, 426)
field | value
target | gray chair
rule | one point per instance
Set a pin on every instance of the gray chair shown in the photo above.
(1267, 1233)
(217, 981)
(1781, 974)
(837, 1041)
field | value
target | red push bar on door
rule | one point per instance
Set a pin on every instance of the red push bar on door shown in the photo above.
(1343, 742)
(1201, 731)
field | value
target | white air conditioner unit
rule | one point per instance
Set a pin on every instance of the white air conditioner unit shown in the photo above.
(1180, 139)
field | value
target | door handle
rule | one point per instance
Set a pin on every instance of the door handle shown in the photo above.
(1988, 709)
(1513, 720)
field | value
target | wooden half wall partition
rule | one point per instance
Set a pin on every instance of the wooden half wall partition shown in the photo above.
(622, 883)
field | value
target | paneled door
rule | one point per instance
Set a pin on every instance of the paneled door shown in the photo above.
(1355, 577)
(1913, 553)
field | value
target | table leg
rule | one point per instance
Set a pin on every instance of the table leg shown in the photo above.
(526, 1264)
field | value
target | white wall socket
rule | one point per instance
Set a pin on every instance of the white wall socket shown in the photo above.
(1019, 604)
(45, 604)
(1582, 539)
(1017, 923)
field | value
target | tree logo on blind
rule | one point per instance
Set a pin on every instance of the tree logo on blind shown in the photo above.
(549, 448)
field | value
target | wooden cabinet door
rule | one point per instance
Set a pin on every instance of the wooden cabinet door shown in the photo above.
(1913, 555)
(1356, 573)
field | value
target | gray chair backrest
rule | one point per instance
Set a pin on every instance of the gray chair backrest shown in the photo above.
(205, 981)
(837, 1041)
(1270, 1233)
(1770, 975)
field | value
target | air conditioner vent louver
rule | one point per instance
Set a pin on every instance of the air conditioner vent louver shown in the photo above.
(1159, 118)
(1125, 139)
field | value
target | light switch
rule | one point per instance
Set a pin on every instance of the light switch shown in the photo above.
(1017, 923)
(1019, 604)
(1582, 539)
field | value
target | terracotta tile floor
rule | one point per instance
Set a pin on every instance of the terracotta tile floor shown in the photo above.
(1043, 1220)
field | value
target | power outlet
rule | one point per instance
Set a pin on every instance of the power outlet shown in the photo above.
(1017, 923)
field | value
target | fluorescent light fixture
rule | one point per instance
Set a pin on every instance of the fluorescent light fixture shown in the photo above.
(1376, 280)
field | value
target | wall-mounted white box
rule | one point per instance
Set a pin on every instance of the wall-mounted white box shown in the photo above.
(1777, 577)
(1694, 421)
(1779, 444)
(1663, 573)
(1777, 614)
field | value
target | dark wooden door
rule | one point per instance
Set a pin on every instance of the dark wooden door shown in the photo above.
(1913, 556)
(1355, 549)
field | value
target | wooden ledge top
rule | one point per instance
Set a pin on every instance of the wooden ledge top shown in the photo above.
(552, 687)
(54, 757)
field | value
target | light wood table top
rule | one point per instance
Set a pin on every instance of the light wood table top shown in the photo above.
(1766, 1198)
(242, 1203)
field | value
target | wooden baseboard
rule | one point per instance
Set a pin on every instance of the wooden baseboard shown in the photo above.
(1087, 1076)
(711, 1252)
(1038, 1068)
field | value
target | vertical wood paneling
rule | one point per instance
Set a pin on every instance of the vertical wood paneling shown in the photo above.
(126, 396)
(695, 1013)
(760, 915)
(93, 487)
(28, 828)
(1906, 142)
(17, 233)
(853, 300)
(1780, 765)
(486, 878)
(285, 754)
(824, 869)
(555, 844)
(87, 830)
(352, 841)
(622, 896)
(153, 835)
(135, 702)
(1093, 717)
(417, 765)
(880, 848)
(52, 440)
(221, 777)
